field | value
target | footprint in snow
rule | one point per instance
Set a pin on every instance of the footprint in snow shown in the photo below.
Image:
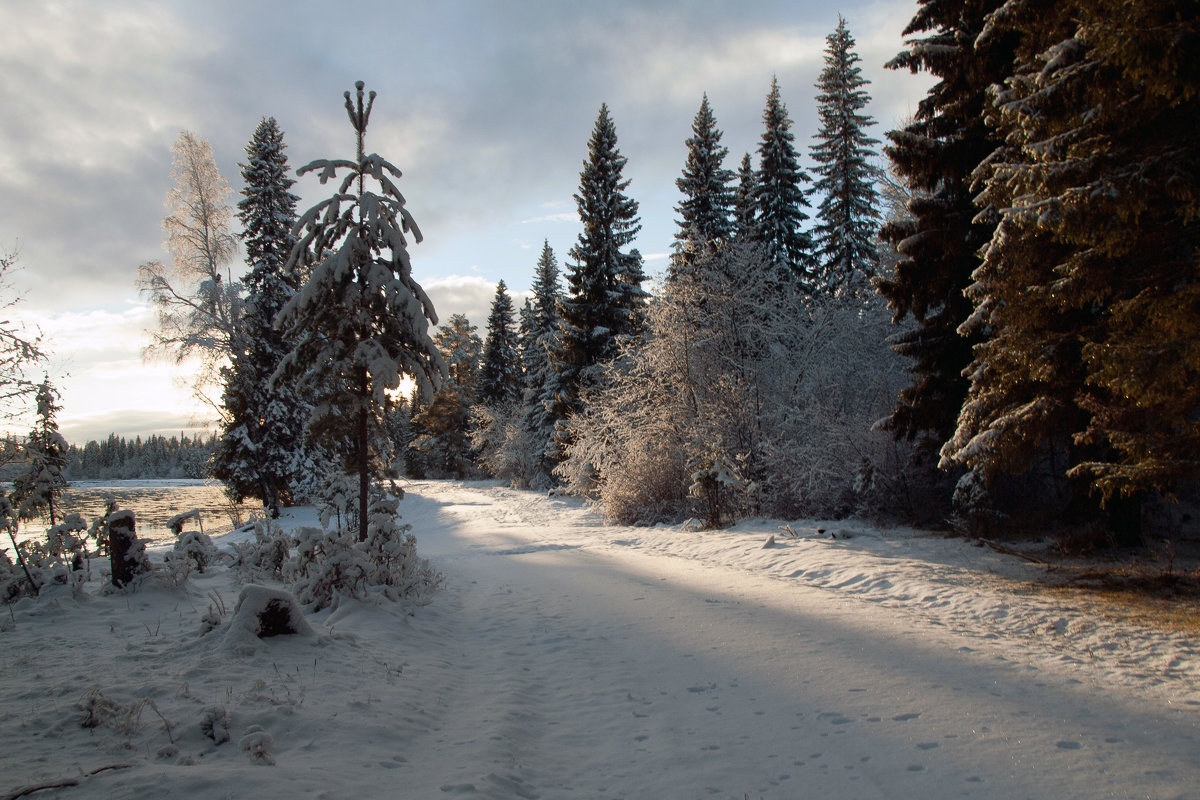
(459, 788)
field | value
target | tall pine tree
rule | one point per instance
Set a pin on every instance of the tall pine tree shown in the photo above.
(606, 302)
(706, 211)
(261, 442)
(361, 321)
(500, 370)
(780, 198)
(936, 155)
(846, 218)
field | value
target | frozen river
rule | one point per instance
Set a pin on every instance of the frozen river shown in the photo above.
(153, 502)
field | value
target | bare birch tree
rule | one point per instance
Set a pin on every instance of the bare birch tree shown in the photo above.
(18, 351)
(197, 300)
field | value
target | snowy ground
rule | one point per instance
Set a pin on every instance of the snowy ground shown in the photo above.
(566, 658)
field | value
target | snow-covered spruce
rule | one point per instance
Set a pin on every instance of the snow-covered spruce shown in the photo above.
(847, 217)
(261, 451)
(606, 304)
(706, 211)
(780, 197)
(361, 320)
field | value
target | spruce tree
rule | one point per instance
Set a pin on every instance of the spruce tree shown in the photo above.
(744, 211)
(500, 370)
(706, 211)
(261, 442)
(39, 486)
(541, 377)
(526, 341)
(936, 155)
(606, 302)
(360, 321)
(442, 427)
(846, 218)
(780, 198)
(1089, 287)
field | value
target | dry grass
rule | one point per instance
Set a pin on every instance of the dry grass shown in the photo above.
(1144, 595)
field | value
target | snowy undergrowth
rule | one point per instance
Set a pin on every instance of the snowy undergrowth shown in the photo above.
(187, 672)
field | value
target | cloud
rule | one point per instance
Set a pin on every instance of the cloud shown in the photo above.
(566, 216)
(132, 422)
(470, 295)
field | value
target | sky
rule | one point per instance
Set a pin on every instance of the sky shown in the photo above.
(486, 107)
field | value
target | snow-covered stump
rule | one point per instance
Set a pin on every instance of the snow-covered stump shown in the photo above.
(261, 613)
(126, 552)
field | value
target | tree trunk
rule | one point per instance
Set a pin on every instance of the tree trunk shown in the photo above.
(121, 541)
(1125, 520)
(364, 463)
(21, 560)
(270, 497)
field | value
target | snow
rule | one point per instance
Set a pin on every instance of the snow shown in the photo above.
(569, 658)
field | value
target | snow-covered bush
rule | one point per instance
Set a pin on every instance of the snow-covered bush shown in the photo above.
(504, 446)
(733, 371)
(266, 554)
(336, 499)
(258, 744)
(715, 484)
(194, 550)
(13, 582)
(61, 557)
(99, 710)
(68, 541)
(975, 511)
(632, 458)
(328, 564)
(214, 724)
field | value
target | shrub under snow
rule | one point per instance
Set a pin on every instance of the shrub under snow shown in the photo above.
(328, 564)
(742, 399)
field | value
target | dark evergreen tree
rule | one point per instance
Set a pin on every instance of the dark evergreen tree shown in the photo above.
(936, 155)
(706, 211)
(526, 341)
(37, 488)
(780, 198)
(442, 427)
(744, 210)
(541, 384)
(1090, 286)
(606, 302)
(361, 321)
(500, 370)
(261, 443)
(847, 217)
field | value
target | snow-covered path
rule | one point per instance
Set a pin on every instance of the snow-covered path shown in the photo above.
(566, 658)
(577, 666)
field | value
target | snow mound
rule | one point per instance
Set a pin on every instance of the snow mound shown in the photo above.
(261, 613)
